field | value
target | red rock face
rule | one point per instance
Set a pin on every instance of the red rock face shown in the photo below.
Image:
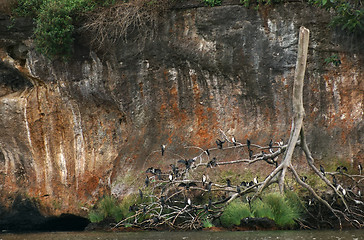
(71, 132)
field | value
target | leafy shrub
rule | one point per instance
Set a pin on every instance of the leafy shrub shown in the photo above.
(95, 216)
(107, 207)
(234, 212)
(349, 15)
(207, 224)
(282, 209)
(261, 210)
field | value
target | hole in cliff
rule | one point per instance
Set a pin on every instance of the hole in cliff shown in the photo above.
(24, 216)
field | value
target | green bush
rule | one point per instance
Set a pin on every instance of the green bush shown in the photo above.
(349, 15)
(261, 210)
(107, 207)
(234, 212)
(284, 211)
(212, 3)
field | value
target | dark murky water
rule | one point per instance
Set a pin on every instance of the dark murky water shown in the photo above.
(256, 235)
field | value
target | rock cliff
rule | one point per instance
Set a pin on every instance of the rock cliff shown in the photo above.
(71, 132)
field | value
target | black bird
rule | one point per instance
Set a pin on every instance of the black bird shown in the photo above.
(334, 180)
(187, 185)
(209, 186)
(270, 144)
(238, 189)
(144, 209)
(133, 208)
(341, 169)
(248, 143)
(187, 163)
(163, 200)
(150, 170)
(360, 168)
(163, 148)
(250, 154)
(243, 183)
(322, 169)
(212, 163)
(210, 202)
(263, 154)
(141, 194)
(204, 178)
(146, 181)
(234, 141)
(207, 152)
(155, 219)
(219, 143)
(251, 183)
(303, 178)
(228, 182)
(206, 207)
(174, 169)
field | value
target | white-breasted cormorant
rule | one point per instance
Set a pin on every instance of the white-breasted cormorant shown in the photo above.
(360, 168)
(170, 177)
(207, 152)
(187, 185)
(322, 170)
(233, 140)
(204, 178)
(163, 148)
(270, 144)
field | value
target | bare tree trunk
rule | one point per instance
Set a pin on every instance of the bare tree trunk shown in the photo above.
(297, 102)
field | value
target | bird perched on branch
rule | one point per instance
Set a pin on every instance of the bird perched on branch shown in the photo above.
(212, 163)
(250, 154)
(187, 163)
(243, 183)
(228, 182)
(233, 140)
(322, 170)
(163, 148)
(270, 144)
(340, 169)
(219, 143)
(146, 181)
(303, 178)
(360, 168)
(174, 169)
(207, 152)
(209, 186)
(141, 194)
(248, 143)
(334, 181)
(170, 177)
(238, 189)
(187, 185)
(280, 143)
(204, 178)
(163, 200)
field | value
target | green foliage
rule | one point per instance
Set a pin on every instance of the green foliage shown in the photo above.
(54, 23)
(349, 15)
(234, 212)
(95, 216)
(334, 59)
(207, 224)
(107, 207)
(212, 3)
(282, 209)
(261, 210)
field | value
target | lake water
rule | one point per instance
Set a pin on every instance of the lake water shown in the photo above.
(247, 235)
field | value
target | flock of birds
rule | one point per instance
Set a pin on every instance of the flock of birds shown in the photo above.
(178, 173)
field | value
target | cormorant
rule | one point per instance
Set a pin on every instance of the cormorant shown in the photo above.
(163, 148)
(238, 189)
(219, 143)
(243, 183)
(334, 180)
(144, 209)
(170, 177)
(250, 154)
(270, 144)
(163, 200)
(341, 169)
(303, 178)
(187, 163)
(212, 163)
(360, 168)
(187, 185)
(234, 141)
(210, 202)
(209, 186)
(155, 219)
(189, 202)
(206, 207)
(141, 194)
(204, 178)
(280, 143)
(248, 143)
(322, 170)
(251, 183)
(263, 154)
(146, 181)
(255, 180)
(174, 169)
(228, 182)
(207, 152)
(150, 170)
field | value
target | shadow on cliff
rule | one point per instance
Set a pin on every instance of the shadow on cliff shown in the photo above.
(24, 216)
